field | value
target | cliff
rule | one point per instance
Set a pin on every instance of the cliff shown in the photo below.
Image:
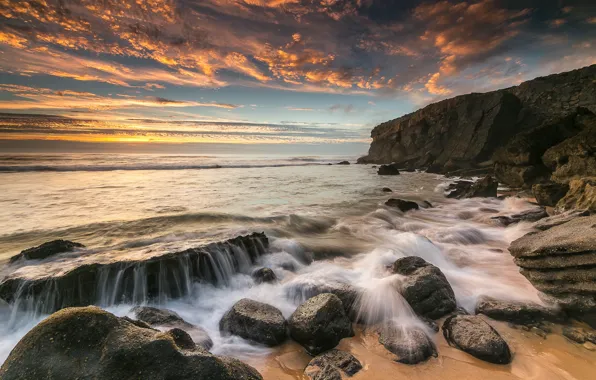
(465, 132)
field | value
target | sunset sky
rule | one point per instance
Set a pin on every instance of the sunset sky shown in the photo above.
(265, 71)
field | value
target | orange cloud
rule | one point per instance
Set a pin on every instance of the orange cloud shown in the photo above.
(434, 88)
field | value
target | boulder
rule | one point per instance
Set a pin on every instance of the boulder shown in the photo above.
(548, 194)
(558, 219)
(410, 345)
(255, 321)
(458, 188)
(485, 187)
(560, 262)
(425, 287)
(320, 323)
(473, 335)
(520, 176)
(46, 250)
(344, 163)
(388, 170)
(531, 215)
(524, 313)
(401, 204)
(349, 295)
(264, 275)
(579, 335)
(168, 319)
(581, 196)
(89, 343)
(387, 190)
(331, 365)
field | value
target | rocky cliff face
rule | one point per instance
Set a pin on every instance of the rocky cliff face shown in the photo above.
(466, 131)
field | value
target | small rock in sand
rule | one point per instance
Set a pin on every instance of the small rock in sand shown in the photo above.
(410, 345)
(331, 365)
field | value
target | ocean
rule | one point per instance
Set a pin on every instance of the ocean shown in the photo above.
(123, 206)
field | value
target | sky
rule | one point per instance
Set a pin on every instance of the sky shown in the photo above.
(78, 73)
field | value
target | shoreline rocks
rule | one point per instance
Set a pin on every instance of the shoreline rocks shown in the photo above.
(320, 323)
(425, 287)
(46, 250)
(255, 321)
(524, 313)
(88, 342)
(473, 335)
(402, 205)
(410, 345)
(331, 365)
(388, 170)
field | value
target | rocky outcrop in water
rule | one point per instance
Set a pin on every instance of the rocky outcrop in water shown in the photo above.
(320, 323)
(410, 345)
(134, 280)
(485, 188)
(331, 365)
(264, 275)
(425, 287)
(561, 262)
(46, 250)
(473, 335)
(168, 319)
(89, 343)
(402, 205)
(255, 321)
(390, 169)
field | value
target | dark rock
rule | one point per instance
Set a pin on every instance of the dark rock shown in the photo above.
(579, 335)
(46, 250)
(531, 215)
(401, 204)
(158, 275)
(458, 188)
(410, 345)
(255, 321)
(485, 187)
(169, 319)
(89, 343)
(388, 170)
(331, 364)
(517, 312)
(520, 176)
(320, 323)
(182, 339)
(425, 287)
(548, 194)
(349, 295)
(581, 196)
(264, 275)
(560, 262)
(473, 335)
(344, 163)
(387, 190)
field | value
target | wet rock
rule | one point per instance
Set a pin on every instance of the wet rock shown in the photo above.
(557, 220)
(46, 250)
(425, 287)
(264, 275)
(344, 163)
(331, 365)
(410, 345)
(485, 187)
(255, 321)
(473, 335)
(388, 170)
(299, 292)
(402, 205)
(164, 318)
(320, 323)
(387, 190)
(89, 343)
(548, 194)
(581, 196)
(531, 215)
(458, 188)
(560, 262)
(517, 312)
(590, 346)
(579, 335)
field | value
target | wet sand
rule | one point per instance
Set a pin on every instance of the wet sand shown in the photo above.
(553, 358)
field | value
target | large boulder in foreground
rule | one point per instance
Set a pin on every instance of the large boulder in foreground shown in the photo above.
(320, 323)
(425, 287)
(410, 345)
(255, 321)
(473, 335)
(46, 250)
(524, 313)
(560, 262)
(331, 365)
(89, 343)
(168, 319)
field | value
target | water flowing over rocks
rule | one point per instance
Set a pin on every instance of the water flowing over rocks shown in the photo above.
(331, 364)
(402, 205)
(561, 262)
(255, 321)
(349, 295)
(410, 345)
(164, 318)
(473, 335)
(52, 286)
(102, 346)
(524, 313)
(263, 275)
(46, 250)
(320, 323)
(425, 287)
